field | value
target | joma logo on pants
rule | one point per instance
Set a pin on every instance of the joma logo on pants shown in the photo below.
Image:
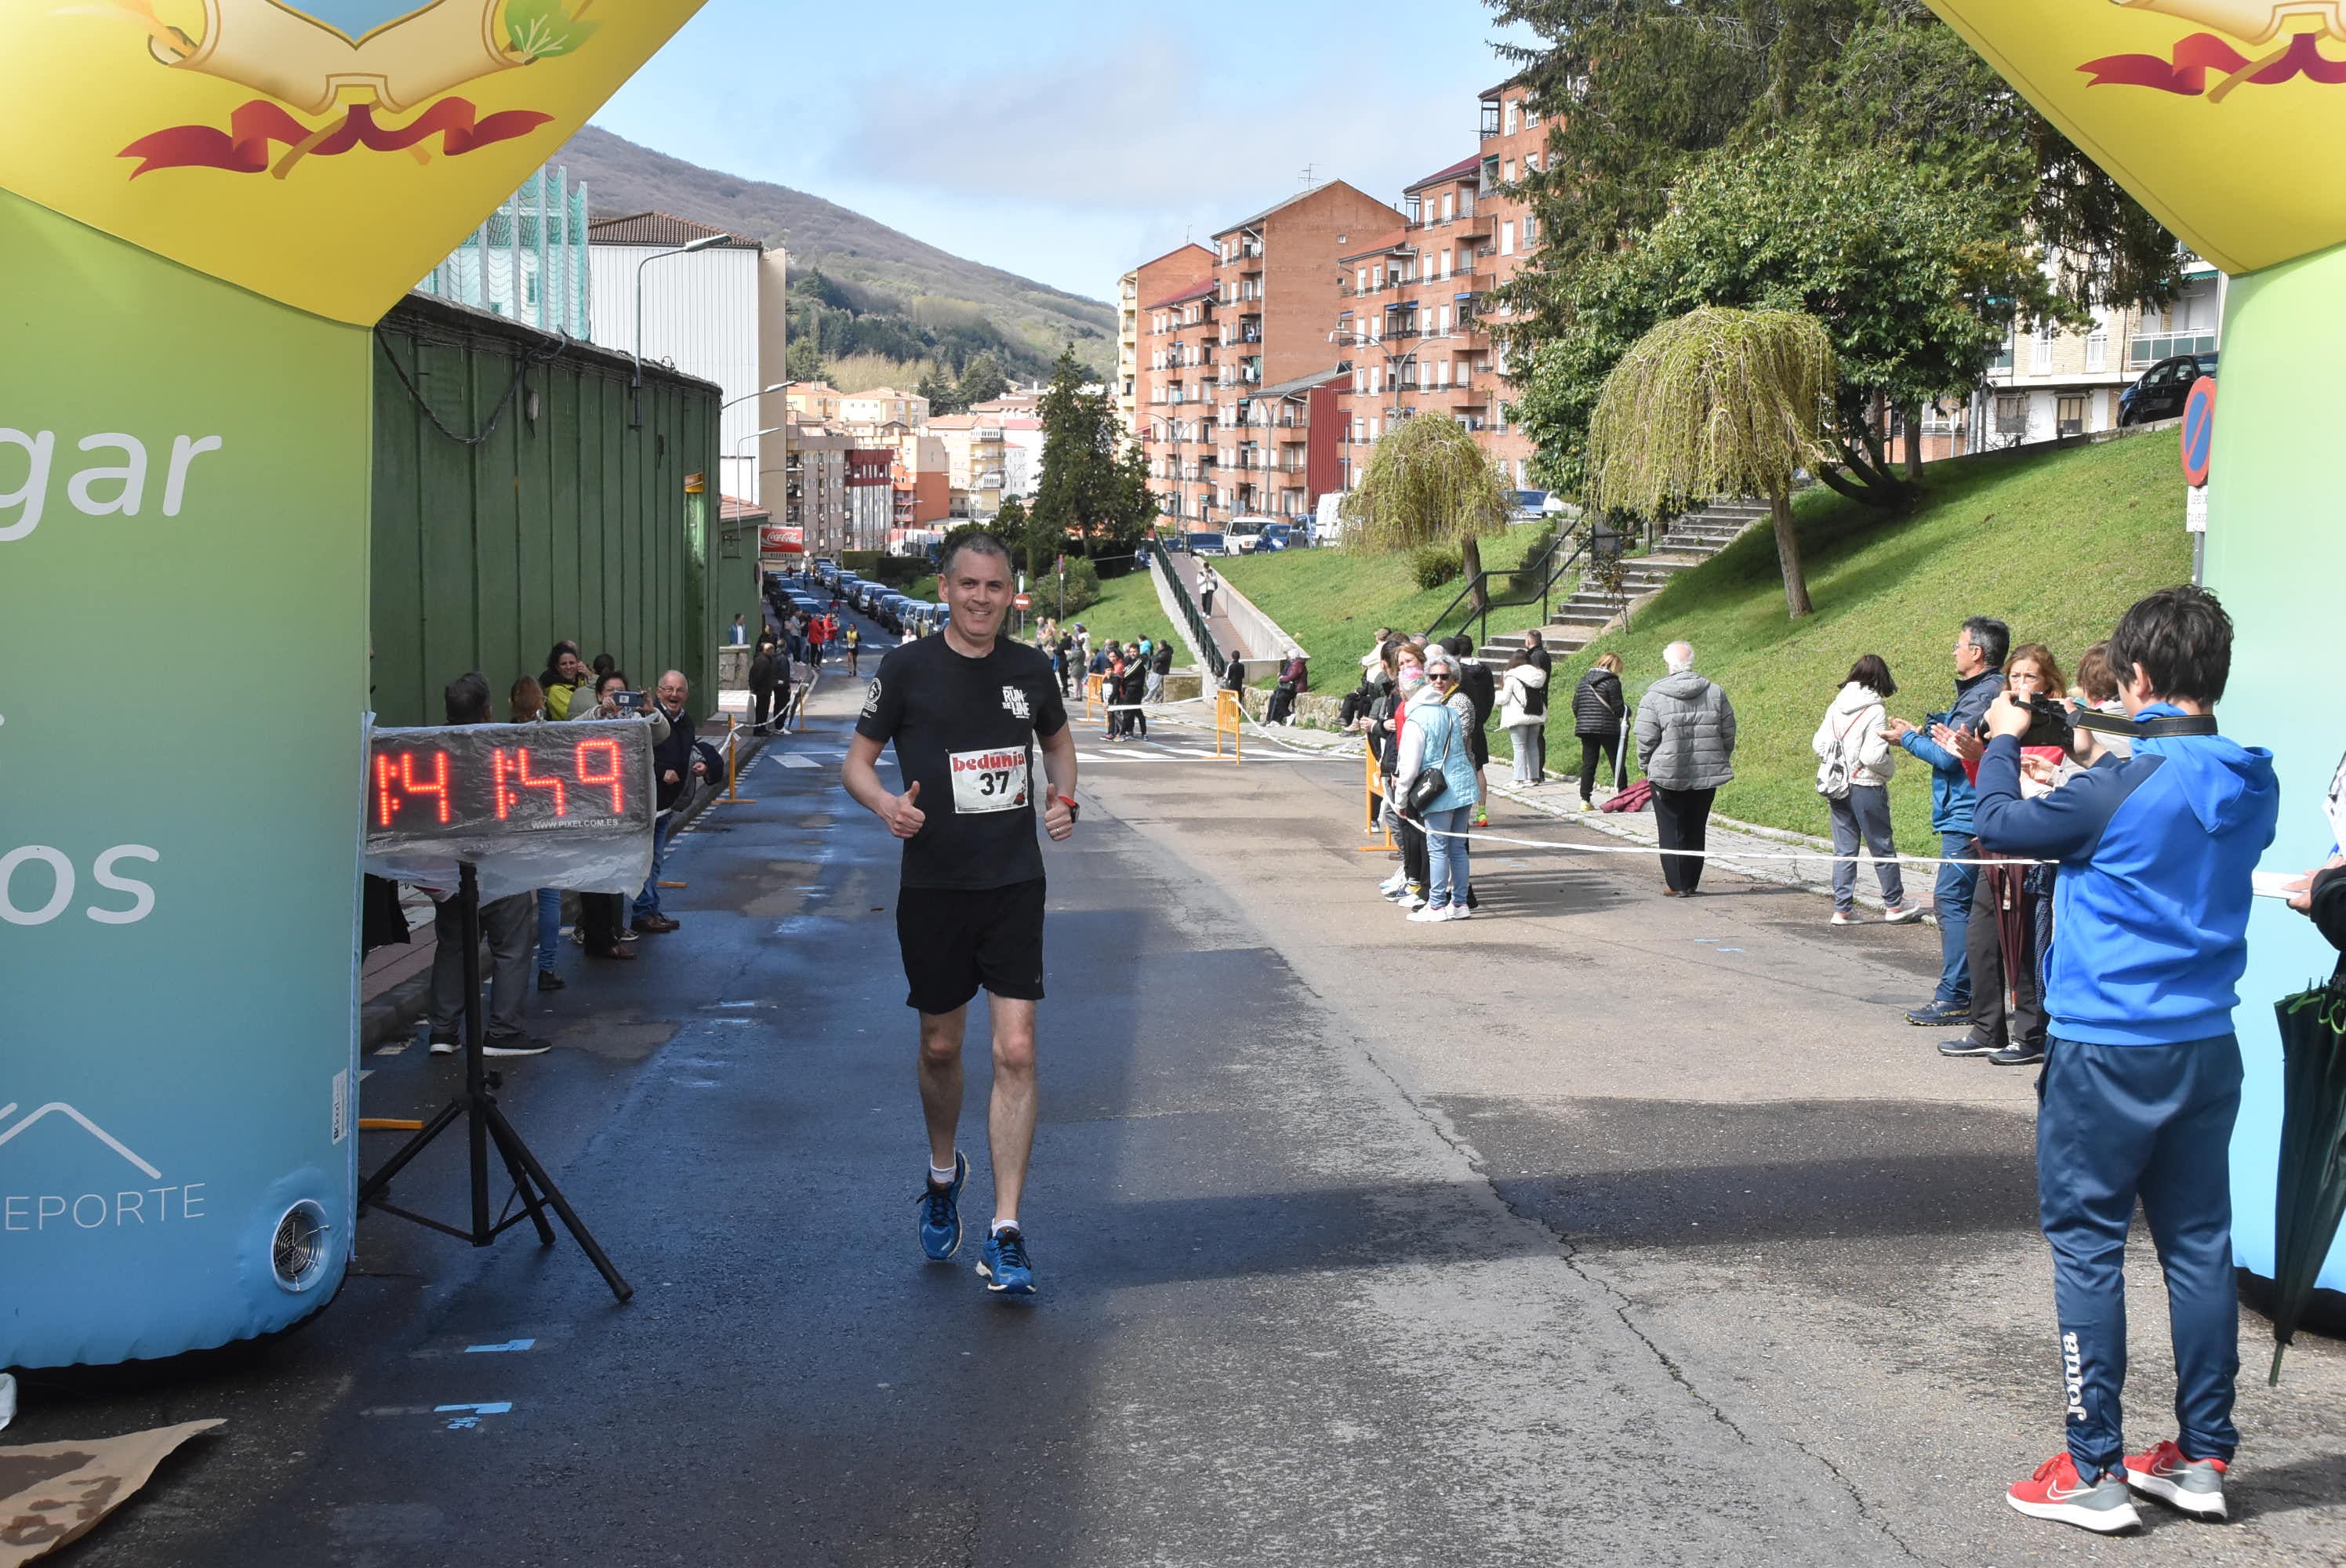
(2073, 1377)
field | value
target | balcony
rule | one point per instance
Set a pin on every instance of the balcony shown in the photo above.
(1490, 120)
(2143, 352)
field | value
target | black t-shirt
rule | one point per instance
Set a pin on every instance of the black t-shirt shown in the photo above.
(962, 727)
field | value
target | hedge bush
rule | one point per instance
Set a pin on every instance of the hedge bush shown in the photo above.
(1434, 564)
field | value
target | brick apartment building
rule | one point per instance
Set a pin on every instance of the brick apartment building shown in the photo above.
(1173, 411)
(1416, 307)
(870, 496)
(1275, 302)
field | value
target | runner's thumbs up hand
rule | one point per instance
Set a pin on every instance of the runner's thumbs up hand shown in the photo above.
(905, 818)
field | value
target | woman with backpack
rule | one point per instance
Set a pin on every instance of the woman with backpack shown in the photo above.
(1855, 761)
(1522, 714)
(1597, 711)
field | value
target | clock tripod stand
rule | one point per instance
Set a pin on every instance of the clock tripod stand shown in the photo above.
(485, 1123)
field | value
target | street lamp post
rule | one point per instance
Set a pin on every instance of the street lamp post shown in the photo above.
(637, 389)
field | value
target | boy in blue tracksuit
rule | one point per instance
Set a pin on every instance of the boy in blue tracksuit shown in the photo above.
(2142, 1073)
(1980, 647)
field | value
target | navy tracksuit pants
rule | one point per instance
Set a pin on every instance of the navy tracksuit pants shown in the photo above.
(2153, 1122)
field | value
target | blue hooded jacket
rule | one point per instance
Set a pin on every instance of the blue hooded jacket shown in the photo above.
(2150, 914)
(1951, 797)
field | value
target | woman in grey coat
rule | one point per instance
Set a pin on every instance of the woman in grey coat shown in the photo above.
(1685, 739)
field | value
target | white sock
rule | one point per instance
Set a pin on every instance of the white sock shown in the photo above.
(999, 1226)
(943, 1178)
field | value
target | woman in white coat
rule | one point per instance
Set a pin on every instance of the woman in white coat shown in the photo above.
(1855, 761)
(1522, 714)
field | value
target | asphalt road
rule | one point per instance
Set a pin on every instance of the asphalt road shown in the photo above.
(1601, 1230)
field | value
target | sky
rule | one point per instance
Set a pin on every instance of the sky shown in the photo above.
(1067, 140)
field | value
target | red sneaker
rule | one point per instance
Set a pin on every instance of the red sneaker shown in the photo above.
(2194, 1485)
(2104, 1507)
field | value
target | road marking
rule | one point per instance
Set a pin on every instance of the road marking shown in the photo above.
(499, 1349)
(792, 759)
(391, 1049)
(463, 1423)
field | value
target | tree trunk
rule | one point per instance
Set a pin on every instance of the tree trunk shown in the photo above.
(1788, 556)
(1469, 558)
(1911, 417)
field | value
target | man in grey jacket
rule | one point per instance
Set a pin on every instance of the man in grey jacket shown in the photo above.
(1685, 737)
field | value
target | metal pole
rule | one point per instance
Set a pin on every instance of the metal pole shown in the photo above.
(476, 1088)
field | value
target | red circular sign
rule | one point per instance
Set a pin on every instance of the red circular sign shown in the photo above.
(1024, 602)
(2198, 430)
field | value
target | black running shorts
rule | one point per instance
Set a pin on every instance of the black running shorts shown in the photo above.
(958, 940)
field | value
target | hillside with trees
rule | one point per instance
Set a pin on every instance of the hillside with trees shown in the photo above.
(873, 299)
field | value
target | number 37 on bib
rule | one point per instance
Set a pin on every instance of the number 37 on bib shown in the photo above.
(986, 781)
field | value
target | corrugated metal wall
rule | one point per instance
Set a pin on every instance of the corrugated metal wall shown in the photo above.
(701, 315)
(565, 522)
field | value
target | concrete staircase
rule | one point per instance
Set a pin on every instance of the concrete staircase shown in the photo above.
(1694, 538)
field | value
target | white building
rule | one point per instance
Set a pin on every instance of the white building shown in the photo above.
(718, 313)
(1022, 457)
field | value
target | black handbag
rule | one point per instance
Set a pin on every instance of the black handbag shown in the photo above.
(1427, 787)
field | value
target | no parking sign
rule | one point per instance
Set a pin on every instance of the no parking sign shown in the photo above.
(2198, 430)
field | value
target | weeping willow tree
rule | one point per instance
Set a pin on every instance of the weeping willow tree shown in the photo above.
(1717, 403)
(1428, 483)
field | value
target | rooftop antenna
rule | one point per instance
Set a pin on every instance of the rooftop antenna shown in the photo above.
(1306, 175)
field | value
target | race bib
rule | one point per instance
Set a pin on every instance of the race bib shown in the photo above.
(985, 781)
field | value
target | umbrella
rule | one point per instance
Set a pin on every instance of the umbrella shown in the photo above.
(2312, 1190)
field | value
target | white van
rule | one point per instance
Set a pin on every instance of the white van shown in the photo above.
(1243, 533)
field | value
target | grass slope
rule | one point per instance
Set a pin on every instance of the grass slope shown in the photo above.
(2055, 545)
(622, 176)
(1333, 600)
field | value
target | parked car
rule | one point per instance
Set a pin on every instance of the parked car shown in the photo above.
(1199, 544)
(2161, 391)
(1528, 505)
(1277, 537)
(1244, 534)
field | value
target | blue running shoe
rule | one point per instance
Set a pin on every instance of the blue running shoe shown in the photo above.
(941, 1214)
(1003, 1264)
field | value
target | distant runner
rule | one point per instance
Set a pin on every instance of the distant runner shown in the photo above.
(963, 709)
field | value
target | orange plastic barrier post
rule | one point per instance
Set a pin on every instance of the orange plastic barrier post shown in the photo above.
(1230, 718)
(1092, 693)
(1372, 798)
(733, 796)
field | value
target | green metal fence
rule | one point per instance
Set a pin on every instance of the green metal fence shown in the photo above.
(514, 503)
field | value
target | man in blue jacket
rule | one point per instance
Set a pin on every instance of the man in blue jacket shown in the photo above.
(2142, 1073)
(1980, 648)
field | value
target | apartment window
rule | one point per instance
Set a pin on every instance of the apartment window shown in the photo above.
(2003, 361)
(1411, 207)
(1360, 280)
(2040, 359)
(1450, 206)
(1507, 172)
(2011, 414)
(1507, 238)
(1531, 231)
(1514, 113)
(1373, 429)
(2097, 347)
(1442, 316)
(1445, 263)
(2069, 415)
(1377, 276)
(1376, 381)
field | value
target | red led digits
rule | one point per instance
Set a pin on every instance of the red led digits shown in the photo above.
(551, 781)
(387, 809)
(608, 751)
(503, 796)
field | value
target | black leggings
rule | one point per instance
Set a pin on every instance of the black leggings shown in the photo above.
(1609, 744)
(1413, 867)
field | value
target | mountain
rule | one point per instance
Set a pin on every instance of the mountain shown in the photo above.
(893, 272)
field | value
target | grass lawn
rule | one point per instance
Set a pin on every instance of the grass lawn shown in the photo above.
(1333, 602)
(2056, 546)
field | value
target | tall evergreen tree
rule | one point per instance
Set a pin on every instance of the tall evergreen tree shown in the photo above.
(1093, 497)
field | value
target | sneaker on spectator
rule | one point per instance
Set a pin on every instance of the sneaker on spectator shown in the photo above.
(2020, 1054)
(550, 981)
(1458, 912)
(1899, 915)
(1844, 917)
(1426, 915)
(2194, 1485)
(445, 1046)
(515, 1045)
(1939, 1015)
(1969, 1045)
(2103, 1506)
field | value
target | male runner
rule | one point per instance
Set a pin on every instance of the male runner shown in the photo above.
(963, 709)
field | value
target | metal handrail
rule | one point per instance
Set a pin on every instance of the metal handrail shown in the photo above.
(1550, 570)
(1200, 633)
